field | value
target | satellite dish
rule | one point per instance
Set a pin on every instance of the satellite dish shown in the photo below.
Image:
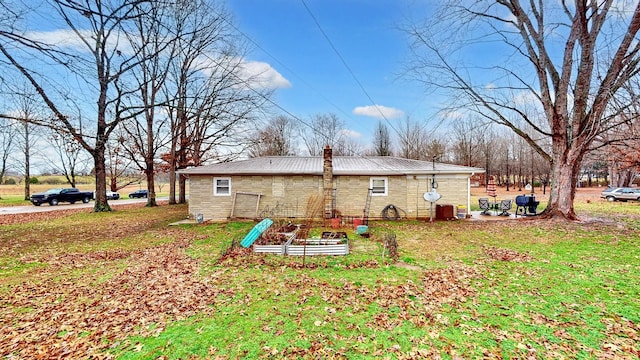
(432, 196)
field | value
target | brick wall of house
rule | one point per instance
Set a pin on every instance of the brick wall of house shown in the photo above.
(288, 195)
(452, 188)
(404, 192)
(351, 195)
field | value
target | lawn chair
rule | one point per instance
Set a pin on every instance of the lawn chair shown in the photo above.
(505, 206)
(484, 205)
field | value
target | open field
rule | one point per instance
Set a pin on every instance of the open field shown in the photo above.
(125, 285)
(13, 195)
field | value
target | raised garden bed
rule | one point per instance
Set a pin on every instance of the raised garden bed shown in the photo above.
(310, 247)
(274, 246)
(286, 243)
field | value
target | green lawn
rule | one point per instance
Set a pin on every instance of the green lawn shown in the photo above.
(126, 285)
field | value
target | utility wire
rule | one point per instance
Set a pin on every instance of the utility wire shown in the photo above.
(269, 100)
(286, 67)
(344, 62)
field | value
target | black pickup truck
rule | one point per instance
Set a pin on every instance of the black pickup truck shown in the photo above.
(55, 196)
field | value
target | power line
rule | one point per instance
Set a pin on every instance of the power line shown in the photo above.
(268, 99)
(344, 62)
(248, 86)
(287, 68)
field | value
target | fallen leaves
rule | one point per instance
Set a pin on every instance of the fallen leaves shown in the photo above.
(83, 301)
(506, 255)
(12, 219)
(75, 318)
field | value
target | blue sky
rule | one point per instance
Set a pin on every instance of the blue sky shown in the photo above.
(365, 33)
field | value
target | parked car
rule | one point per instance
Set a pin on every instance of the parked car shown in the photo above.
(621, 194)
(58, 195)
(112, 195)
(139, 194)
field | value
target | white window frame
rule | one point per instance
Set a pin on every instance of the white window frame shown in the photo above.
(215, 186)
(386, 186)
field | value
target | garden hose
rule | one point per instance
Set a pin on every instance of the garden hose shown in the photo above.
(391, 212)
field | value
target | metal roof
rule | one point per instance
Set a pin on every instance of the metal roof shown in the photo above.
(342, 165)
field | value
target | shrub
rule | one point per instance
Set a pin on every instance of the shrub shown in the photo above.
(52, 181)
(10, 181)
(33, 180)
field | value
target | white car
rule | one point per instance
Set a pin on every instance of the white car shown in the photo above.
(112, 195)
(621, 194)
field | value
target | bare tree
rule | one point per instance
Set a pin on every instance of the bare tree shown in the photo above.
(94, 53)
(210, 103)
(70, 160)
(554, 67)
(120, 168)
(414, 139)
(620, 151)
(276, 139)
(23, 135)
(471, 143)
(350, 146)
(7, 135)
(155, 46)
(382, 140)
(323, 130)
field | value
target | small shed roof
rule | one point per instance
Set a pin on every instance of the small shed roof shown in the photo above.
(342, 165)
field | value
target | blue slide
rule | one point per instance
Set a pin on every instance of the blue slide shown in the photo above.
(255, 233)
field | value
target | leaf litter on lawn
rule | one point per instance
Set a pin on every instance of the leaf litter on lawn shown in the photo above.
(62, 313)
(76, 319)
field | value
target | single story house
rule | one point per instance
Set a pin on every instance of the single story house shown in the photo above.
(281, 186)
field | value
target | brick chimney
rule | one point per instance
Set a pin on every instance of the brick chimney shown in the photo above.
(327, 181)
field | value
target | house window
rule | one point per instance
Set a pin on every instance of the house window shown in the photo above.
(221, 186)
(379, 186)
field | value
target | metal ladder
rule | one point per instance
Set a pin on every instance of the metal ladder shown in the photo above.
(367, 207)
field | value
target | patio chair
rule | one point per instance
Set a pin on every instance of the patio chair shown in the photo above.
(505, 206)
(484, 205)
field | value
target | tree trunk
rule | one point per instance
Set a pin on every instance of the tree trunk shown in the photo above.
(151, 185)
(101, 203)
(182, 183)
(173, 161)
(27, 185)
(27, 163)
(565, 178)
(113, 183)
(172, 184)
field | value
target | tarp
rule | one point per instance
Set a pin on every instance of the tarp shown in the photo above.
(255, 233)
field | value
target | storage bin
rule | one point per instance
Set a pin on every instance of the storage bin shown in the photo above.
(462, 212)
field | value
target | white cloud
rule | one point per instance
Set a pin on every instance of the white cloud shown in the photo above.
(259, 75)
(378, 112)
(262, 75)
(526, 98)
(451, 114)
(63, 38)
(351, 133)
(71, 40)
